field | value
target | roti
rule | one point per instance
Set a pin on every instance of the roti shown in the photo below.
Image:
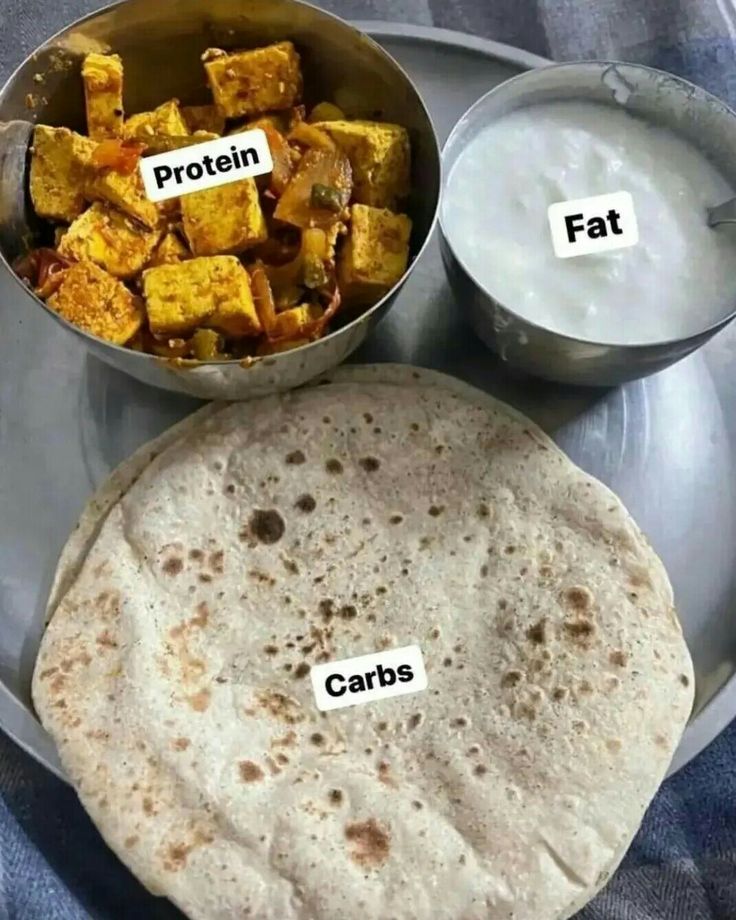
(383, 508)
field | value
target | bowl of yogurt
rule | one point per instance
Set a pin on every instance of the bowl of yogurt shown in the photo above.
(574, 220)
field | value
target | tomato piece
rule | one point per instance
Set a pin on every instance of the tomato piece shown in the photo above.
(120, 156)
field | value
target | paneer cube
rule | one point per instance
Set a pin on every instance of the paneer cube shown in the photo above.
(110, 239)
(375, 255)
(294, 323)
(213, 292)
(380, 157)
(102, 75)
(57, 172)
(169, 251)
(124, 191)
(164, 121)
(250, 82)
(225, 219)
(203, 118)
(96, 302)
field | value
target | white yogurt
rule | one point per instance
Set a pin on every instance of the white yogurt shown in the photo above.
(679, 277)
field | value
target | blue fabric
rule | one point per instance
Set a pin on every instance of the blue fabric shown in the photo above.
(682, 864)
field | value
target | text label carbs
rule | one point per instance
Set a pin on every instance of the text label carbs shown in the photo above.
(366, 678)
(206, 165)
(589, 225)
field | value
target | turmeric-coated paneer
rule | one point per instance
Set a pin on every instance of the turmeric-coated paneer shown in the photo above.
(164, 121)
(93, 300)
(250, 82)
(170, 250)
(110, 239)
(102, 75)
(380, 157)
(213, 292)
(203, 118)
(123, 190)
(375, 255)
(57, 172)
(295, 322)
(225, 219)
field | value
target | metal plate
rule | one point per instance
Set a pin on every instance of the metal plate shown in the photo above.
(663, 444)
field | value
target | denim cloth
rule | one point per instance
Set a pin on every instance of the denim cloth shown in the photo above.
(682, 864)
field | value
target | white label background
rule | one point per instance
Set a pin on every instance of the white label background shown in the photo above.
(222, 146)
(392, 658)
(595, 206)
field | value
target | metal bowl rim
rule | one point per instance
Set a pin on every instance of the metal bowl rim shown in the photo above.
(191, 363)
(693, 338)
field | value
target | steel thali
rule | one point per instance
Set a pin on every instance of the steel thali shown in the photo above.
(664, 444)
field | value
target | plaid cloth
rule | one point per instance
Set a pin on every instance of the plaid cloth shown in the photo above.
(682, 865)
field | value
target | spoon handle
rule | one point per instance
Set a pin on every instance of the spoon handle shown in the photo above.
(722, 214)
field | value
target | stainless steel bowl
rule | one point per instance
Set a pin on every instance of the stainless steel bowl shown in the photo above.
(161, 43)
(653, 95)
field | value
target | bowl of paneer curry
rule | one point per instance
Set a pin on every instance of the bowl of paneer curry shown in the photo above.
(255, 285)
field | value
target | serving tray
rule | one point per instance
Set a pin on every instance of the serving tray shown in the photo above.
(663, 444)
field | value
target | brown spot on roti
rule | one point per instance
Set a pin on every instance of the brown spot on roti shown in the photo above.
(200, 701)
(511, 678)
(281, 706)
(371, 843)
(336, 796)
(250, 772)
(333, 465)
(436, 510)
(369, 464)
(173, 565)
(105, 640)
(295, 458)
(196, 554)
(180, 744)
(267, 526)
(302, 669)
(579, 630)
(217, 560)
(202, 616)
(579, 598)
(538, 632)
(305, 503)
(618, 658)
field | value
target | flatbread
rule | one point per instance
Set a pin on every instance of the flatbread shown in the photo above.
(387, 507)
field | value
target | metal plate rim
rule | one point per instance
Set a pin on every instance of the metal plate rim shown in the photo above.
(509, 54)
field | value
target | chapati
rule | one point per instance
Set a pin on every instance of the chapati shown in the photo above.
(385, 507)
